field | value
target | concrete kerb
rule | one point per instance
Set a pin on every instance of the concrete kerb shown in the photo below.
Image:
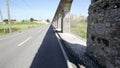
(74, 57)
(79, 59)
(69, 64)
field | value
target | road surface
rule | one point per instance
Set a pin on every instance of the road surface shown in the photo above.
(34, 48)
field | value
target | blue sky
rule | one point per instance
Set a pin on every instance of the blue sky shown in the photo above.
(40, 9)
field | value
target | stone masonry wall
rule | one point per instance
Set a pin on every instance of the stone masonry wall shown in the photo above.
(103, 41)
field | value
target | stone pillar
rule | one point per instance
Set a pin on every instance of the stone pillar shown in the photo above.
(57, 20)
(103, 38)
(65, 20)
(59, 23)
(62, 22)
(54, 24)
(66, 23)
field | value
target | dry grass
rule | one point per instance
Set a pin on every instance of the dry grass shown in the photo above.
(79, 26)
(18, 27)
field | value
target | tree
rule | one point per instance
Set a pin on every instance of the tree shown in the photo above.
(48, 20)
(6, 21)
(31, 19)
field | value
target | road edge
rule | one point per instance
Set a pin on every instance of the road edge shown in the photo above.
(69, 64)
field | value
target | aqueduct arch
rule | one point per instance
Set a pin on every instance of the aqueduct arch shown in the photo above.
(103, 38)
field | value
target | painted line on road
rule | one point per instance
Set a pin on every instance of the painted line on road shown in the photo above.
(10, 36)
(40, 31)
(25, 41)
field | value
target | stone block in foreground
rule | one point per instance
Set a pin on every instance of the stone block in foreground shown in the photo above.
(103, 41)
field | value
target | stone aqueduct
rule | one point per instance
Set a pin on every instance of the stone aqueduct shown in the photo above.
(103, 38)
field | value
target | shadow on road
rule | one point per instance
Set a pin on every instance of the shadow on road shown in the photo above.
(49, 54)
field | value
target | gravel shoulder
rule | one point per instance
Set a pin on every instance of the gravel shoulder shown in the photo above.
(76, 47)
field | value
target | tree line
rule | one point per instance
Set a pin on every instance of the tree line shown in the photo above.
(31, 20)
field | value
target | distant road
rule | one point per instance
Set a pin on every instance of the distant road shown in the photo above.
(19, 50)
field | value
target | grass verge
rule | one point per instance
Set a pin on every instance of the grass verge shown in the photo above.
(79, 27)
(18, 27)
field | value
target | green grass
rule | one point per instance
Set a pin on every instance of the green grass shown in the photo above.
(79, 27)
(18, 27)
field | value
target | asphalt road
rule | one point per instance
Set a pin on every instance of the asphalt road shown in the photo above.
(34, 48)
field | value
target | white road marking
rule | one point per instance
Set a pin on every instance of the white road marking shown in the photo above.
(10, 36)
(39, 31)
(25, 41)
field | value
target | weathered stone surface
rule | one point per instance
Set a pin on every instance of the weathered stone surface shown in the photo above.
(104, 32)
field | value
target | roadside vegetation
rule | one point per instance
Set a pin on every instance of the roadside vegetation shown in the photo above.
(18, 27)
(79, 25)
